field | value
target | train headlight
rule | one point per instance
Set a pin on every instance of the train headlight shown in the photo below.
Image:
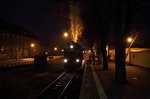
(71, 46)
(65, 60)
(77, 60)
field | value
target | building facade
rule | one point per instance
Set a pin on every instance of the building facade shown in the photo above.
(16, 42)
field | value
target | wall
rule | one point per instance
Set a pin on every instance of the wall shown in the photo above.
(137, 56)
(140, 58)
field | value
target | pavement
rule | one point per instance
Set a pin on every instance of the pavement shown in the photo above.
(137, 86)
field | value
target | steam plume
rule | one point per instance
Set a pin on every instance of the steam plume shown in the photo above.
(75, 20)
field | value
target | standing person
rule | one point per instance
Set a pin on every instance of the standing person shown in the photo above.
(93, 57)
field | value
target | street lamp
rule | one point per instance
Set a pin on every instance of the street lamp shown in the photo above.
(32, 45)
(55, 48)
(89, 51)
(129, 39)
(66, 35)
(2, 49)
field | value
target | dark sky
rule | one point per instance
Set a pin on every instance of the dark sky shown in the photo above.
(42, 17)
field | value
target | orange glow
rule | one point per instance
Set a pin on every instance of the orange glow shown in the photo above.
(76, 24)
(65, 34)
(129, 39)
(89, 51)
(32, 45)
(55, 48)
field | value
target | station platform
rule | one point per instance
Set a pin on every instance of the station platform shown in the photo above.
(99, 84)
(22, 61)
(91, 87)
(15, 62)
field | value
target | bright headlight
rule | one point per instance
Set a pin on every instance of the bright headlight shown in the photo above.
(77, 60)
(65, 60)
(71, 46)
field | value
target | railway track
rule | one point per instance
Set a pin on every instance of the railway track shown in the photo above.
(56, 89)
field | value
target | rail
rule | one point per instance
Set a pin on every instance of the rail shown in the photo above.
(56, 89)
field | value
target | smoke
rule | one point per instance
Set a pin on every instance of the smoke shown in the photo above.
(75, 20)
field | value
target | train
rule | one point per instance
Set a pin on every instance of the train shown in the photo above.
(73, 56)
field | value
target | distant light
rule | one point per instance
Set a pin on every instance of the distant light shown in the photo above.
(65, 34)
(89, 51)
(129, 39)
(2, 49)
(46, 53)
(55, 48)
(62, 50)
(77, 60)
(32, 45)
(34, 50)
(71, 46)
(65, 60)
(135, 78)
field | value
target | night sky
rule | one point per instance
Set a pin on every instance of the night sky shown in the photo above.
(42, 17)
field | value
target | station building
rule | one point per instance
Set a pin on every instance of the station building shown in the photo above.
(16, 42)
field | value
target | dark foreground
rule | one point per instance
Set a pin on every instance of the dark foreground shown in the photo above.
(137, 86)
(24, 83)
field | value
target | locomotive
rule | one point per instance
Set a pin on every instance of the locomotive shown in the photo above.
(73, 56)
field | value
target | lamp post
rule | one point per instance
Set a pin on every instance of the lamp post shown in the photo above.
(32, 45)
(131, 41)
